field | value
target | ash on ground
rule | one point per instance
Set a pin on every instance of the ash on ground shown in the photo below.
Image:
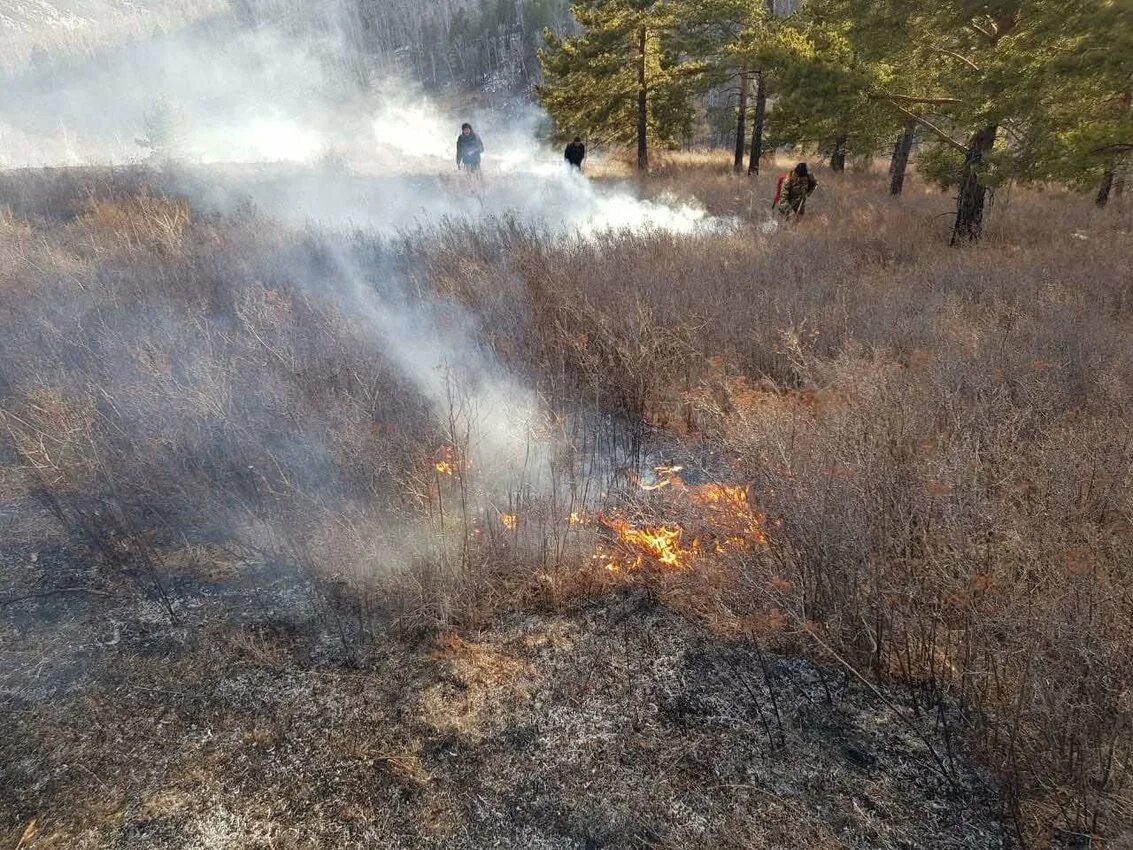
(617, 725)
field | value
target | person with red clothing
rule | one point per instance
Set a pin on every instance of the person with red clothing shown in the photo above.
(792, 191)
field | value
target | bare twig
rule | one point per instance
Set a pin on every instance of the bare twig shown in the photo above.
(12, 600)
(932, 128)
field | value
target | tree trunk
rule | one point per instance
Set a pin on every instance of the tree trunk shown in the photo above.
(642, 103)
(1102, 198)
(741, 122)
(900, 161)
(973, 194)
(838, 157)
(1113, 181)
(760, 108)
(757, 128)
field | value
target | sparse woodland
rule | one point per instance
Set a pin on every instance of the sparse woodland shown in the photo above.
(1021, 90)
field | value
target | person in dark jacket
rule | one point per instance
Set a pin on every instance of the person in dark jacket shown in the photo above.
(794, 189)
(575, 153)
(468, 150)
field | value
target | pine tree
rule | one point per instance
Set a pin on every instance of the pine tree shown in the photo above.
(739, 42)
(1001, 89)
(825, 94)
(899, 161)
(713, 29)
(1077, 122)
(623, 80)
(872, 42)
(165, 131)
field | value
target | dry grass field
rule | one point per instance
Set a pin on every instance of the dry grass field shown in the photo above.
(273, 579)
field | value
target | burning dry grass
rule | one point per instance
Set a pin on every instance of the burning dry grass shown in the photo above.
(709, 519)
(902, 459)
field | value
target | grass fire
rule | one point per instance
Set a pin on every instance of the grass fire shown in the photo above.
(234, 512)
(470, 427)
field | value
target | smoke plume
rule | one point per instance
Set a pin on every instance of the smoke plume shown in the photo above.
(230, 117)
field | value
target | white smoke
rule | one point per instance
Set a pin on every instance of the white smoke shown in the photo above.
(437, 347)
(521, 177)
(235, 94)
(411, 134)
(381, 160)
(258, 97)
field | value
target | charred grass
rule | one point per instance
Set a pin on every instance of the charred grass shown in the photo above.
(937, 441)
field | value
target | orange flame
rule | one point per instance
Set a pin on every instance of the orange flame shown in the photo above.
(719, 494)
(719, 519)
(731, 510)
(662, 543)
(445, 463)
(509, 521)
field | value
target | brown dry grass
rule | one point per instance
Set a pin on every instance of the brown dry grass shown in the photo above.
(940, 437)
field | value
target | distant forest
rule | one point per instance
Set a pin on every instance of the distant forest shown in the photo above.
(466, 44)
(486, 45)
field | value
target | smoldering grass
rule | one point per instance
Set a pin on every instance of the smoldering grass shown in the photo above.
(938, 434)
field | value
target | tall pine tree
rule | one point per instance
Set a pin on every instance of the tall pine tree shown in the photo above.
(623, 79)
(824, 96)
(740, 43)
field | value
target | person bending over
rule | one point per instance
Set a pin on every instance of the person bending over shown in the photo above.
(793, 190)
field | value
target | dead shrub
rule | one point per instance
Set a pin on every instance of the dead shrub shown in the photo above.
(141, 222)
(938, 438)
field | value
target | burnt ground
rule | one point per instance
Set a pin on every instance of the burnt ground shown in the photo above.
(617, 725)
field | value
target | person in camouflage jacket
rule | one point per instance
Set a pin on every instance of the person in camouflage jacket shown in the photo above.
(794, 189)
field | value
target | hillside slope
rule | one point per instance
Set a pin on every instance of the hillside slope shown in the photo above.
(50, 27)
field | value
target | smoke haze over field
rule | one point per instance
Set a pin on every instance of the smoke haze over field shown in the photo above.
(219, 94)
(28, 26)
(230, 115)
(234, 94)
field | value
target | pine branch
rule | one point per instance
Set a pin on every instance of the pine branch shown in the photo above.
(904, 98)
(932, 128)
(957, 56)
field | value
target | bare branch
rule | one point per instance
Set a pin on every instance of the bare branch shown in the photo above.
(1016, 135)
(988, 34)
(932, 128)
(957, 56)
(904, 98)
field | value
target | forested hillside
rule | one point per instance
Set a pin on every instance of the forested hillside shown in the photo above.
(471, 44)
